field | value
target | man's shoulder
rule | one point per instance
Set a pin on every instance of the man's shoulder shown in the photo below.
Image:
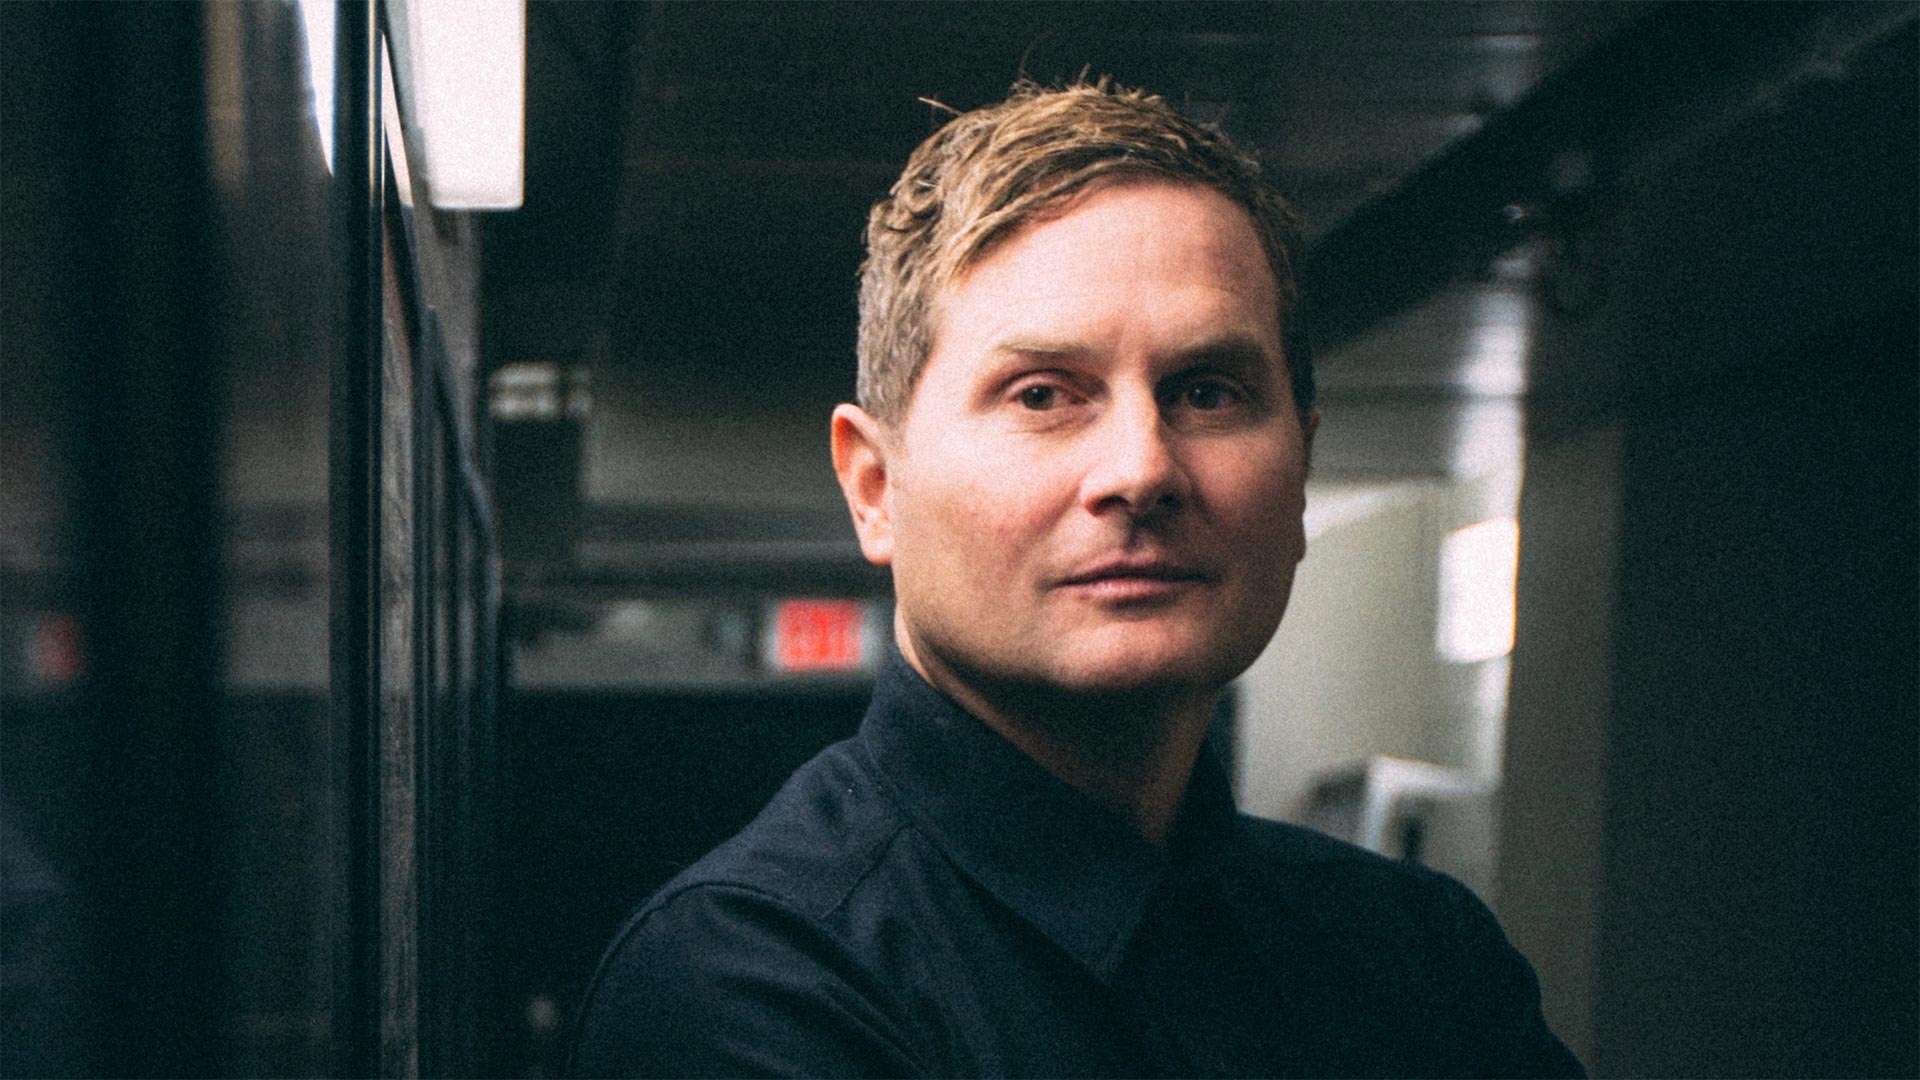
(1408, 931)
(812, 844)
(752, 921)
(1358, 896)
(795, 863)
(1297, 845)
(1308, 853)
(1306, 858)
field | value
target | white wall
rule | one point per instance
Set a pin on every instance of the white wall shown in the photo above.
(1353, 672)
(1349, 672)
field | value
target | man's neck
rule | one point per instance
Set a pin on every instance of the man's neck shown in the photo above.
(1132, 754)
(1146, 786)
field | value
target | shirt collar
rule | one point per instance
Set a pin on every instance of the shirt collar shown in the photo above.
(1074, 870)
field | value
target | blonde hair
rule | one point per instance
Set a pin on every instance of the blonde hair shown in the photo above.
(988, 172)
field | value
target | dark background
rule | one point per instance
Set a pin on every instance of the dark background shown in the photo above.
(1710, 829)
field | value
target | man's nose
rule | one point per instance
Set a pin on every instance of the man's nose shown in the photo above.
(1135, 466)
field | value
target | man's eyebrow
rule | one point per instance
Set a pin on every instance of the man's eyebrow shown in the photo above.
(1234, 352)
(1039, 348)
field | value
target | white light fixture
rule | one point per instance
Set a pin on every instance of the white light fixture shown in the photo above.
(461, 66)
(390, 120)
(317, 17)
(1479, 568)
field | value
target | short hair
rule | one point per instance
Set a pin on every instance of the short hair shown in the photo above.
(988, 172)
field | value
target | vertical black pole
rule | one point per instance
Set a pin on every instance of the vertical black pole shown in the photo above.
(354, 538)
(135, 323)
(429, 718)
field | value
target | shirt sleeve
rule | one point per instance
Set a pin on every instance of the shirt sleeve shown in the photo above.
(1503, 998)
(722, 980)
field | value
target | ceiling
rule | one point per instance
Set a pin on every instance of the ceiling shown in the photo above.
(698, 173)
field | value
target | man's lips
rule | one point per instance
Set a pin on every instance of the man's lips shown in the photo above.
(1143, 577)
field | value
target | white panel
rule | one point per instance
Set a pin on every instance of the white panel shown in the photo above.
(1477, 575)
(461, 65)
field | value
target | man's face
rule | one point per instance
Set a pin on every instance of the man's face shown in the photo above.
(1098, 484)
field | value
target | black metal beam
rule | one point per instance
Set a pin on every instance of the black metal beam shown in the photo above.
(1682, 66)
(354, 538)
(136, 336)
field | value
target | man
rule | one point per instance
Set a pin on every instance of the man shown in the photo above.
(1081, 447)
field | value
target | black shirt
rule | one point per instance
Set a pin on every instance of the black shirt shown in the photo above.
(924, 899)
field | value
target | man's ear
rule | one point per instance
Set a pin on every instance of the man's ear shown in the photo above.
(860, 461)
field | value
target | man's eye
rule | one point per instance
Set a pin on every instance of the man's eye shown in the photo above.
(1040, 397)
(1209, 395)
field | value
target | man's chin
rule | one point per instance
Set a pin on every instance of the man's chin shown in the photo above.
(1144, 672)
(1091, 669)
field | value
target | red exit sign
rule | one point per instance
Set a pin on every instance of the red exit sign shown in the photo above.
(819, 635)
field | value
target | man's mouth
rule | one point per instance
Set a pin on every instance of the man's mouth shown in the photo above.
(1135, 579)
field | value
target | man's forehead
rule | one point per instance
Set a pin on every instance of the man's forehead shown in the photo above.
(1093, 206)
(1231, 351)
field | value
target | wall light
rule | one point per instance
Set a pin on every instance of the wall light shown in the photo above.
(461, 66)
(1479, 568)
(317, 18)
